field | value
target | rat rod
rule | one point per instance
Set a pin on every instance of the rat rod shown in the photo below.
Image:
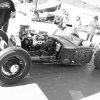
(18, 52)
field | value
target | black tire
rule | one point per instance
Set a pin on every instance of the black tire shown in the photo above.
(4, 36)
(15, 63)
(97, 60)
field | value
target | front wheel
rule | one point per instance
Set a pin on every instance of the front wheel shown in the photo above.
(15, 63)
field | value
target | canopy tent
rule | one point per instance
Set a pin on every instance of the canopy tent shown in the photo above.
(49, 6)
(51, 9)
(87, 4)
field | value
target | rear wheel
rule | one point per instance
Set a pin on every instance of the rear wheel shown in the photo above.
(15, 63)
(97, 60)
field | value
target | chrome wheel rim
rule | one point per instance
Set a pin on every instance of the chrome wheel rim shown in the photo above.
(13, 67)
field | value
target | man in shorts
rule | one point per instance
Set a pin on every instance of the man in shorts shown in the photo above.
(92, 28)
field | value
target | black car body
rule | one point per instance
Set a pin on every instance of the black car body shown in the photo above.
(17, 55)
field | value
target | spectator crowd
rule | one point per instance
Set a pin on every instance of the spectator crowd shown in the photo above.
(26, 11)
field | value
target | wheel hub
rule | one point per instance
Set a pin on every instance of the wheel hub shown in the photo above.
(14, 68)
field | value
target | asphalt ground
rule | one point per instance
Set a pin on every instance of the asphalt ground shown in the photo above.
(57, 82)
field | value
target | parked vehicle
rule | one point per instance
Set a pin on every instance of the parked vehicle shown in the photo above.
(16, 55)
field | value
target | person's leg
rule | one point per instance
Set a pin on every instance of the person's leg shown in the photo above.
(88, 35)
(5, 26)
(91, 37)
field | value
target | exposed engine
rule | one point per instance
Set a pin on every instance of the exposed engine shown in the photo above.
(39, 44)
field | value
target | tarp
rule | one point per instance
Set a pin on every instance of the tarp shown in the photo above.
(49, 4)
(51, 9)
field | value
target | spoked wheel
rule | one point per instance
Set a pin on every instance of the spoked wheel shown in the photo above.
(14, 65)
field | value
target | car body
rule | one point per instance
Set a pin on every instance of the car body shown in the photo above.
(64, 49)
(29, 46)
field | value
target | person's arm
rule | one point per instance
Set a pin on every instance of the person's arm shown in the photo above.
(91, 24)
(13, 10)
(22, 13)
(98, 26)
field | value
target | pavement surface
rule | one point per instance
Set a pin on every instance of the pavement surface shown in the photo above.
(55, 82)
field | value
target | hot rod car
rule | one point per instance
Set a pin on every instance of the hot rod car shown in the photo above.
(18, 52)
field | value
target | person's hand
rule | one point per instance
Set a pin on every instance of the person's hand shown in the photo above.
(12, 15)
(22, 13)
(86, 26)
(41, 11)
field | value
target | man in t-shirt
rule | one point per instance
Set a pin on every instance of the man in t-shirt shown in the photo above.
(92, 28)
(76, 25)
(24, 13)
(7, 10)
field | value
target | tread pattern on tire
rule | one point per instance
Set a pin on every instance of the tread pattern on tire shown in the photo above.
(20, 52)
(97, 60)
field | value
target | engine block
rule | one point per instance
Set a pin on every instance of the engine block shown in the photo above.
(38, 44)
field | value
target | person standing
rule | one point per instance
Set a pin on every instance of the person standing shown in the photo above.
(65, 17)
(24, 12)
(92, 28)
(7, 10)
(77, 24)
